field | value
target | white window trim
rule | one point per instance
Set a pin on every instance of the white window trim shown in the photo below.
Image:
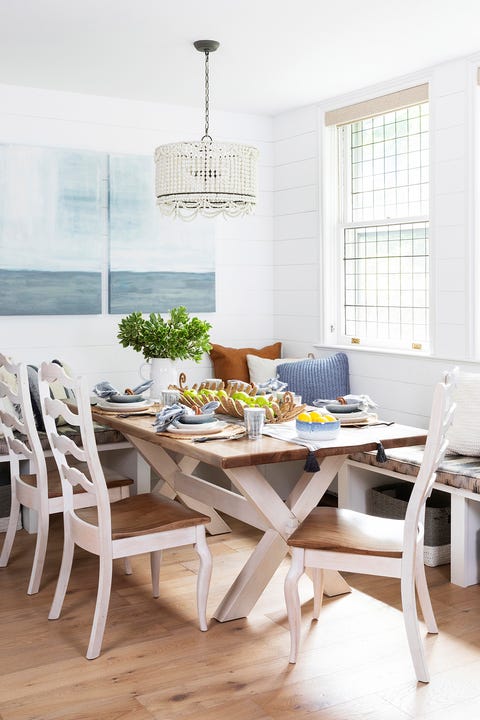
(470, 353)
(332, 252)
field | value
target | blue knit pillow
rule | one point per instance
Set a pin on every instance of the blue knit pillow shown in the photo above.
(325, 378)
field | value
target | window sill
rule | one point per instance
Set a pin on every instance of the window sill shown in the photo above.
(382, 352)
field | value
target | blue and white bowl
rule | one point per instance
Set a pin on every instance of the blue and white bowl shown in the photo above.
(317, 431)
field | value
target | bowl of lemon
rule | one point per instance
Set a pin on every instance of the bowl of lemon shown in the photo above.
(316, 425)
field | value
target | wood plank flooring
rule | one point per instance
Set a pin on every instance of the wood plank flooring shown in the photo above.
(354, 663)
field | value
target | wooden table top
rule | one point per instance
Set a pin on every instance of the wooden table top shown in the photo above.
(244, 452)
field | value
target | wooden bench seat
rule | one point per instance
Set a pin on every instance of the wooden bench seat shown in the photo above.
(456, 471)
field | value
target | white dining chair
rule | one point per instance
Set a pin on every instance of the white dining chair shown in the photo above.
(350, 541)
(138, 524)
(40, 488)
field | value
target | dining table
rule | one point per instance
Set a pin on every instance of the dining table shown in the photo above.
(248, 495)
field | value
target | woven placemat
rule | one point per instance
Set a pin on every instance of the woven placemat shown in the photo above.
(230, 429)
(116, 413)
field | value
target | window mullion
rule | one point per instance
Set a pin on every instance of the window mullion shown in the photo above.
(386, 221)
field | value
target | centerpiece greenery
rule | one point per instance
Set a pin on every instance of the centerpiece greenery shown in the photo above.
(180, 337)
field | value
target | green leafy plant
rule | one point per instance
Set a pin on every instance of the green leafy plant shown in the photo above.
(180, 337)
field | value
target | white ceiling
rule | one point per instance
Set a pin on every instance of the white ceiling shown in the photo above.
(274, 54)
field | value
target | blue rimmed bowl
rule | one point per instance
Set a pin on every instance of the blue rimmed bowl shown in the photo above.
(317, 431)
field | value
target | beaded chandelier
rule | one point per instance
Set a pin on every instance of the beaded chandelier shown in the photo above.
(204, 176)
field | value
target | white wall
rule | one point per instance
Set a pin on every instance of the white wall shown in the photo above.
(269, 267)
(244, 247)
(400, 382)
(297, 291)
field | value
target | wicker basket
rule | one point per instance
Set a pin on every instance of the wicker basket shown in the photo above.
(276, 412)
(436, 555)
(391, 501)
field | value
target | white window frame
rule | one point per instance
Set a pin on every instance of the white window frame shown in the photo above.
(343, 179)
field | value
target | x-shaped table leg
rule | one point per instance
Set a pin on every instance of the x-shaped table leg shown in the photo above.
(283, 518)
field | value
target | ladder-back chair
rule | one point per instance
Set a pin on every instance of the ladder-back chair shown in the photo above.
(350, 541)
(138, 524)
(39, 489)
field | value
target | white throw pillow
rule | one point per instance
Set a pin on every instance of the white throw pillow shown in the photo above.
(464, 432)
(263, 369)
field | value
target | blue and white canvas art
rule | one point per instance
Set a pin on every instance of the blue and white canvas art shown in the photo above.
(52, 231)
(156, 262)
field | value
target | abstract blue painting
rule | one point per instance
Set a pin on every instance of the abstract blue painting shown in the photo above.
(52, 230)
(73, 221)
(156, 262)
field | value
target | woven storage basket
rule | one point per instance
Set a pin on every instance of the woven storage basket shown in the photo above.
(391, 501)
(436, 555)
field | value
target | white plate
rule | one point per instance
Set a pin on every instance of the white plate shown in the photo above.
(205, 429)
(352, 418)
(124, 407)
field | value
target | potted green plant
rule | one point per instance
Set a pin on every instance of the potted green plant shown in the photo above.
(163, 341)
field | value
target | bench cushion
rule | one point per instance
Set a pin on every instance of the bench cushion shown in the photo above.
(459, 471)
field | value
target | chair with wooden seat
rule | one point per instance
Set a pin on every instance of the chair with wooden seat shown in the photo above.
(345, 540)
(40, 489)
(139, 524)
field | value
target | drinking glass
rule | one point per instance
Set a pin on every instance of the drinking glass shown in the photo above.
(254, 421)
(169, 397)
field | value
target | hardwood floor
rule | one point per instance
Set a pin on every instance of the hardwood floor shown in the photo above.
(354, 663)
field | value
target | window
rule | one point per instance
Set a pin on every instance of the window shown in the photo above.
(384, 179)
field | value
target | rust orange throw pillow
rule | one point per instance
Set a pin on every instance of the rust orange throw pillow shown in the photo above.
(231, 363)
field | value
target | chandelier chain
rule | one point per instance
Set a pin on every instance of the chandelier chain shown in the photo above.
(207, 92)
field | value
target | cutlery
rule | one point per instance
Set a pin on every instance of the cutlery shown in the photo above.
(232, 436)
(367, 425)
(136, 414)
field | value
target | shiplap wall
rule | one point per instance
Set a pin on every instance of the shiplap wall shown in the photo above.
(244, 247)
(400, 382)
(297, 289)
(270, 282)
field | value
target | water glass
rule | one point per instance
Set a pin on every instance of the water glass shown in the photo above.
(254, 421)
(169, 397)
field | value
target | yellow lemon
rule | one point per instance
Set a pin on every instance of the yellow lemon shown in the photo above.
(304, 417)
(317, 416)
(330, 418)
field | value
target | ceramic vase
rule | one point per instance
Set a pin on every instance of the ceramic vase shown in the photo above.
(162, 371)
